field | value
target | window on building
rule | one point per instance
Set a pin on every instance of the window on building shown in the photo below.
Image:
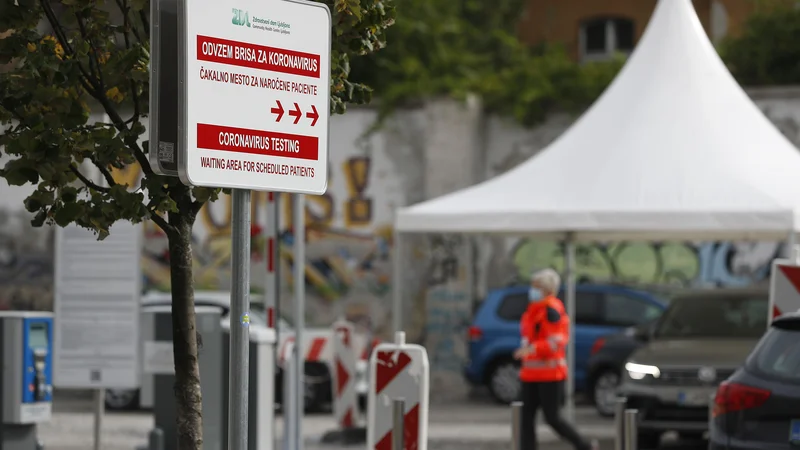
(602, 38)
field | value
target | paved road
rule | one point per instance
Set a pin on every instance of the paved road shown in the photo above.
(467, 426)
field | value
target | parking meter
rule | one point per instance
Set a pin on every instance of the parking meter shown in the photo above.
(26, 381)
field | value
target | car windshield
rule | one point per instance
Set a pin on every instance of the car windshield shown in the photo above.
(714, 316)
(778, 354)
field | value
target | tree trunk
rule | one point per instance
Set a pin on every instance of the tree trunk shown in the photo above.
(188, 397)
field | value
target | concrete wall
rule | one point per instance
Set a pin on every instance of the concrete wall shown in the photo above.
(421, 153)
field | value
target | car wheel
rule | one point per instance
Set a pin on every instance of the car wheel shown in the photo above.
(122, 399)
(504, 382)
(604, 392)
(648, 440)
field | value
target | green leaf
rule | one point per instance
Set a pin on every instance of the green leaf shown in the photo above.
(68, 213)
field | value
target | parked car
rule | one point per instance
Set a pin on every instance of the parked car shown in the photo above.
(699, 341)
(494, 334)
(758, 407)
(607, 361)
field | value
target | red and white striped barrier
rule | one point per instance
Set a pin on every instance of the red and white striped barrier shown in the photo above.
(784, 287)
(319, 346)
(270, 280)
(345, 404)
(398, 370)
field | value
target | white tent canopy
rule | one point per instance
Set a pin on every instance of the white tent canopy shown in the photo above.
(673, 149)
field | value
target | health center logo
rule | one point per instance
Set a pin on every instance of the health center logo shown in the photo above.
(241, 18)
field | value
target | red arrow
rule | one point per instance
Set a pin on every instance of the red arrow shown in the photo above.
(296, 113)
(313, 115)
(278, 111)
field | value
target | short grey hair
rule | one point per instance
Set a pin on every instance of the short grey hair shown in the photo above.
(547, 279)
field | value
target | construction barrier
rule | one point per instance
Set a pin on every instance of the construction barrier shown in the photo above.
(345, 401)
(784, 287)
(398, 371)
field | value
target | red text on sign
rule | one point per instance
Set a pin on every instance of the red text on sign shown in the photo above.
(254, 56)
(241, 140)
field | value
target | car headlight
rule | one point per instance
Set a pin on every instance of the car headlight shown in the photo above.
(640, 371)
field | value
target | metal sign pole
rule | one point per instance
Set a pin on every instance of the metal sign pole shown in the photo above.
(299, 267)
(398, 423)
(240, 320)
(99, 408)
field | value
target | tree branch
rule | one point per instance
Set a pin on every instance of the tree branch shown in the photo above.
(93, 59)
(61, 35)
(104, 171)
(160, 221)
(87, 182)
(197, 206)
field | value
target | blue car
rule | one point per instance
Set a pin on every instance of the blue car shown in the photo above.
(494, 335)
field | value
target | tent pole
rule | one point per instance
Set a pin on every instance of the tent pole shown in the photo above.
(397, 292)
(569, 274)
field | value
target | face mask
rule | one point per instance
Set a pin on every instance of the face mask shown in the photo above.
(534, 295)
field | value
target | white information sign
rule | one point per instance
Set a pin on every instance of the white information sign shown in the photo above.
(97, 302)
(256, 95)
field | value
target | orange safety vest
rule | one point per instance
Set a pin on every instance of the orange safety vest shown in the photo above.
(545, 328)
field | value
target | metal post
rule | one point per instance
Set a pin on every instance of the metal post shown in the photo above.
(155, 440)
(397, 289)
(619, 423)
(398, 423)
(299, 267)
(289, 406)
(631, 429)
(239, 367)
(569, 274)
(516, 426)
(99, 409)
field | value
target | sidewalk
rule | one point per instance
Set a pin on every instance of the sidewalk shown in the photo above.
(463, 427)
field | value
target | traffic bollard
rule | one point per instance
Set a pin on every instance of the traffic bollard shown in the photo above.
(516, 426)
(631, 429)
(619, 422)
(155, 439)
(398, 423)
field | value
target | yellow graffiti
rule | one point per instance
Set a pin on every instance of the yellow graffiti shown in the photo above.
(358, 208)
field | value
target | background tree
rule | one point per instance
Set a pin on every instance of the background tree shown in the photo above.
(72, 57)
(767, 51)
(455, 47)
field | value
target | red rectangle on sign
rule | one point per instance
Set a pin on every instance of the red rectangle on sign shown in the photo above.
(255, 56)
(257, 142)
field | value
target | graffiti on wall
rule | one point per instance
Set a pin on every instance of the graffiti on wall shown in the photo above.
(348, 242)
(447, 304)
(26, 263)
(721, 264)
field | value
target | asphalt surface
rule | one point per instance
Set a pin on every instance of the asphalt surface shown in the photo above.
(472, 425)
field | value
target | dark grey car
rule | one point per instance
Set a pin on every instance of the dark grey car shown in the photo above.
(758, 407)
(699, 341)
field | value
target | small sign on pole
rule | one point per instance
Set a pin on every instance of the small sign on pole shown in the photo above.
(256, 95)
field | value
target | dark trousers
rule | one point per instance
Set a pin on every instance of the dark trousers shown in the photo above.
(547, 396)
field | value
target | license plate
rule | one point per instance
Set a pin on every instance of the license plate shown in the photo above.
(691, 399)
(794, 432)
